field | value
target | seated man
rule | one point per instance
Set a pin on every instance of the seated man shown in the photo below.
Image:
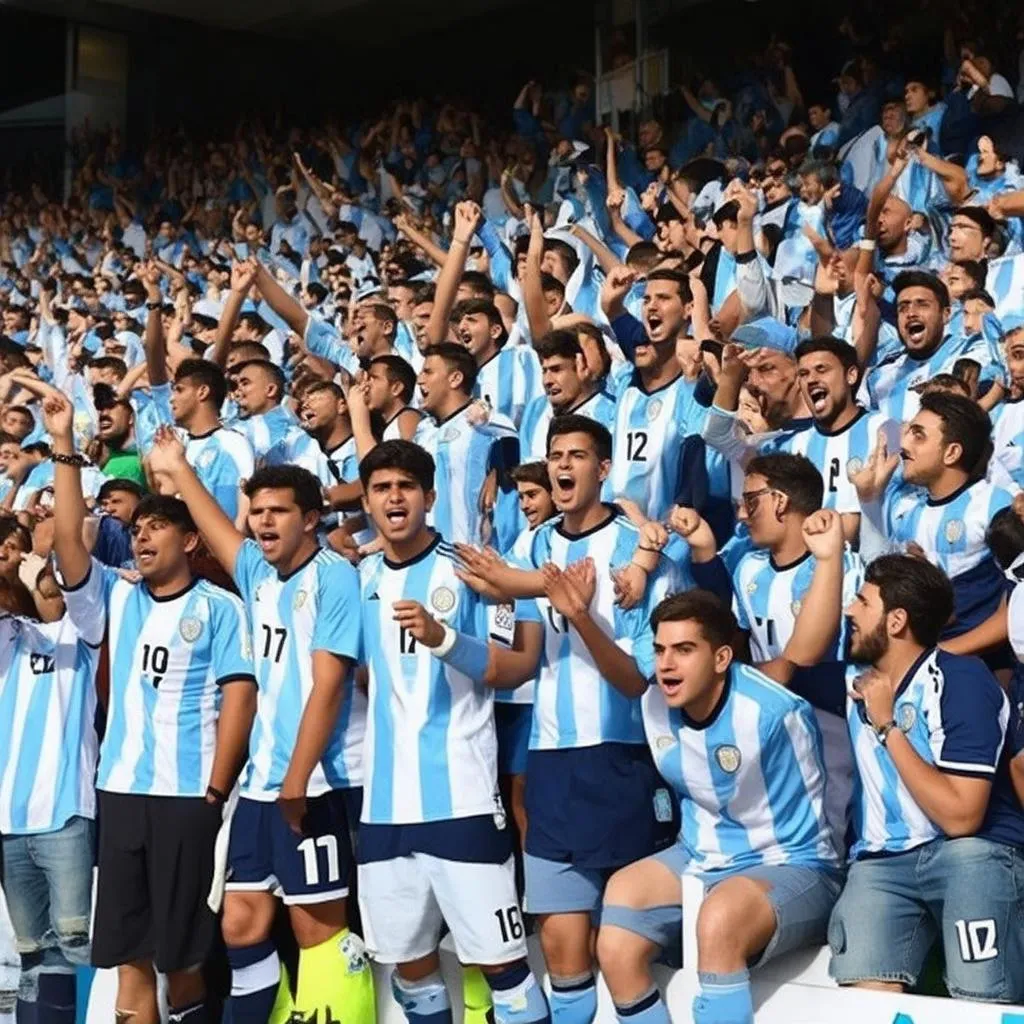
(744, 758)
(939, 845)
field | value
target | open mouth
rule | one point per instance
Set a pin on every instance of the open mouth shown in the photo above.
(466, 338)
(818, 395)
(654, 323)
(565, 485)
(670, 685)
(397, 516)
(267, 539)
(144, 556)
(915, 330)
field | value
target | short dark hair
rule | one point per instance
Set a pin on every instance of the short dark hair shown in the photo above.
(794, 475)
(921, 279)
(727, 213)
(479, 283)
(11, 527)
(270, 368)
(644, 256)
(976, 270)
(470, 307)
(303, 485)
(559, 342)
(253, 350)
(980, 216)
(315, 386)
(398, 371)
(119, 485)
(458, 357)
(669, 274)
(964, 422)
(383, 312)
(1005, 537)
(980, 294)
(572, 423)
(823, 170)
(114, 363)
(532, 473)
(717, 622)
(401, 455)
(167, 508)
(842, 350)
(921, 589)
(254, 321)
(201, 372)
(550, 283)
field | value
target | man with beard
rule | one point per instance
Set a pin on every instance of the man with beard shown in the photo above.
(922, 317)
(939, 831)
(938, 505)
(657, 408)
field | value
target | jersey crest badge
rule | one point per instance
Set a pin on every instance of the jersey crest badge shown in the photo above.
(450, 434)
(728, 758)
(751, 587)
(300, 599)
(795, 608)
(853, 467)
(662, 805)
(442, 600)
(654, 410)
(908, 716)
(205, 458)
(664, 742)
(190, 629)
(954, 530)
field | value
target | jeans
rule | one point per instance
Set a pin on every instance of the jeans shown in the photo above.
(48, 884)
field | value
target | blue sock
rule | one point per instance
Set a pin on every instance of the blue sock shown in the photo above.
(55, 1003)
(724, 999)
(517, 997)
(255, 976)
(423, 1002)
(574, 1000)
(650, 1008)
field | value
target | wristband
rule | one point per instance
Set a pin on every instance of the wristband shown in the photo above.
(154, 305)
(445, 646)
(882, 731)
(218, 797)
(74, 459)
(866, 244)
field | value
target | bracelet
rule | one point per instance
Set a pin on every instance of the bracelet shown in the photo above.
(217, 795)
(642, 568)
(154, 305)
(640, 547)
(866, 244)
(882, 731)
(458, 241)
(74, 459)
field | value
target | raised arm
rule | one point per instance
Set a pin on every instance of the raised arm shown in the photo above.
(467, 216)
(153, 339)
(283, 304)
(218, 532)
(533, 292)
(606, 259)
(242, 276)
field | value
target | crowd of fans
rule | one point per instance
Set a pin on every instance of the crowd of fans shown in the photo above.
(511, 498)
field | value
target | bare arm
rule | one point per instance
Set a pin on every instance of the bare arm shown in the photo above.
(234, 723)
(606, 259)
(508, 667)
(467, 216)
(533, 293)
(153, 339)
(242, 275)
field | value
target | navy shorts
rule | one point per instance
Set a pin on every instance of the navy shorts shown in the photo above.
(265, 855)
(597, 807)
(513, 722)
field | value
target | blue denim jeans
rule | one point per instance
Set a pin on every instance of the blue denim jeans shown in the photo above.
(48, 885)
(969, 892)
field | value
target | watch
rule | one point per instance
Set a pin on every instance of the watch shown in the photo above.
(882, 731)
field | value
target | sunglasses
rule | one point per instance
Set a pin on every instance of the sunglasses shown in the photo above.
(751, 499)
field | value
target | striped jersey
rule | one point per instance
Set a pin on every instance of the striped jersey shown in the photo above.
(837, 455)
(431, 749)
(573, 704)
(463, 453)
(750, 780)
(266, 429)
(954, 714)
(48, 742)
(537, 417)
(767, 599)
(169, 656)
(1006, 467)
(314, 608)
(650, 428)
(509, 380)
(519, 554)
(222, 459)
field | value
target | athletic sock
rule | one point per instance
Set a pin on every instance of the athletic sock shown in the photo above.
(55, 1002)
(423, 1002)
(255, 978)
(650, 1008)
(724, 999)
(518, 998)
(476, 996)
(335, 981)
(284, 1002)
(574, 1000)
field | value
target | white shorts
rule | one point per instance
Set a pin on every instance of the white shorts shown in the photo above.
(405, 901)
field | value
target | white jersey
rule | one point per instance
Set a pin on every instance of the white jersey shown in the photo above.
(48, 742)
(169, 656)
(313, 608)
(431, 748)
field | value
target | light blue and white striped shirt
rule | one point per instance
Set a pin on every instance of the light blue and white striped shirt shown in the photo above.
(169, 656)
(314, 608)
(509, 381)
(750, 780)
(537, 417)
(48, 742)
(222, 459)
(266, 429)
(1006, 467)
(431, 749)
(954, 715)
